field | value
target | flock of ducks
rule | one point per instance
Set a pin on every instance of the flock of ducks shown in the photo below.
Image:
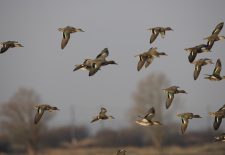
(145, 59)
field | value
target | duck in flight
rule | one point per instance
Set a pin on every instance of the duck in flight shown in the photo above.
(146, 58)
(40, 111)
(170, 92)
(184, 118)
(93, 65)
(102, 116)
(198, 66)
(214, 36)
(66, 34)
(147, 119)
(9, 44)
(158, 30)
(215, 76)
(218, 116)
(193, 51)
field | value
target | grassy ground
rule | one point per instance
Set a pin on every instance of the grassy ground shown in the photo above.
(211, 149)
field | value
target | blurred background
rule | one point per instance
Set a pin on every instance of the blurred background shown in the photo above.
(42, 73)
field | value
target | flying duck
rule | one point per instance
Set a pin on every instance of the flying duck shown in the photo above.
(214, 36)
(102, 116)
(66, 34)
(198, 66)
(9, 44)
(146, 58)
(193, 51)
(184, 118)
(170, 92)
(147, 119)
(219, 115)
(158, 30)
(216, 72)
(93, 65)
(40, 111)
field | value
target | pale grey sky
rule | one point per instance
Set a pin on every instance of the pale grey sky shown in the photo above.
(122, 27)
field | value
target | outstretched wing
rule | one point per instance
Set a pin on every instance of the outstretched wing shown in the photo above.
(217, 123)
(65, 39)
(197, 71)
(4, 49)
(192, 56)
(148, 62)
(150, 114)
(217, 69)
(38, 115)
(77, 67)
(104, 53)
(154, 35)
(169, 99)
(141, 62)
(95, 119)
(103, 111)
(218, 28)
(184, 125)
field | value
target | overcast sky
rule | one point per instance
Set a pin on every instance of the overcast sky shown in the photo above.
(121, 26)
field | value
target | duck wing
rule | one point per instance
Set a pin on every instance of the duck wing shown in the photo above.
(218, 67)
(184, 125)
(197, 71)
(4, 49)
(154, 35)
(150, 114)
(65, 39)
(217, 123)
(142, 60)
(192, 55)
(148, 62)
(104, 53)
(38, 115)
(169, 99)
(218, 28)
(95, 119)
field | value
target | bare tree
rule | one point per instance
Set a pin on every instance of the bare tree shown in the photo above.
(17, 120)
(149, 93)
